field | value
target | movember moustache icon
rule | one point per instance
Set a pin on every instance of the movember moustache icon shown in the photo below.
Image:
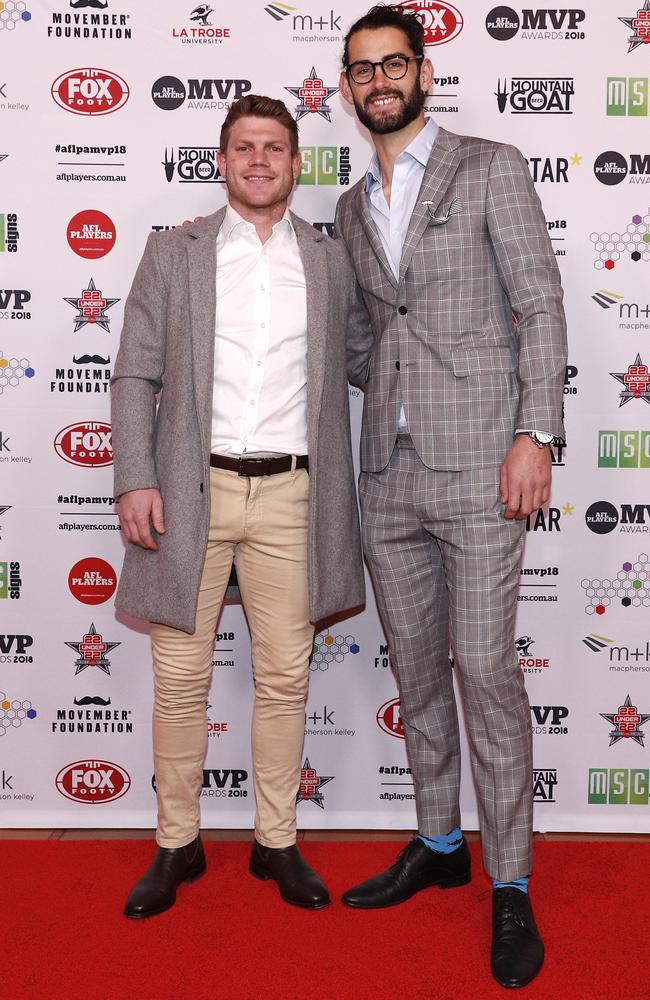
(91, 359)
(92, 701)
(80, 4)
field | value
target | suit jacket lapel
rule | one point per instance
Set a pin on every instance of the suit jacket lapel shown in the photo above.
(313, 256)
(202, 271)
(372, 234)
(442, 165)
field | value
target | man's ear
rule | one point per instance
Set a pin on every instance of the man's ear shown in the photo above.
(296, 166)
(344, 87)
(221, 163)
(426, 75)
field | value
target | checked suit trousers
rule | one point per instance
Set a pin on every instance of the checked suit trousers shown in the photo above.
(445, 566)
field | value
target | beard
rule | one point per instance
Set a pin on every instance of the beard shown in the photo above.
(382, 122)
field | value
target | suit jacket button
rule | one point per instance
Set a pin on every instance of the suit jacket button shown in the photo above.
(397, 365)
(402, 310)
(201, 488)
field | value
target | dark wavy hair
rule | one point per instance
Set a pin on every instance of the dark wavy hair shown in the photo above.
(388, 16)
(256, 106)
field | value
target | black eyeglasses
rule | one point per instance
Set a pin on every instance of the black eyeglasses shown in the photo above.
(394, 67)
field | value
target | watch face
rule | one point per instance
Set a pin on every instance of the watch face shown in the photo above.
(544, 438)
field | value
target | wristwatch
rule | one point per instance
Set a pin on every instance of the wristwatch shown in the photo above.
(539, 438)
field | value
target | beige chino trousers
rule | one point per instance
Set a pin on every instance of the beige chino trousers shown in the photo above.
(261, 524)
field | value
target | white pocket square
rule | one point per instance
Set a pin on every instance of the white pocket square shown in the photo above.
(453, 208)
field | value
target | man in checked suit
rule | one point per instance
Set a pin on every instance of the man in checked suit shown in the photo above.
(463, 396)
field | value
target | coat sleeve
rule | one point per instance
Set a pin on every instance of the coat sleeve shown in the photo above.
(137, 376)
(359, 339)
(530, 278)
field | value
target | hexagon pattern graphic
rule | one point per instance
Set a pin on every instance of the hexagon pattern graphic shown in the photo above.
(13, 713)
(630, 588)
(330, 649)
(12, 13)
(12, 370)
(634, 243)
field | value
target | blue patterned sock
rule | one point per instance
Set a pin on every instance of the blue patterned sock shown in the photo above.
(518, 883)
(444, 845)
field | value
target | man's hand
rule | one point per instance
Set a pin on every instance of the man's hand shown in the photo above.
(525, 478)
(135, 510)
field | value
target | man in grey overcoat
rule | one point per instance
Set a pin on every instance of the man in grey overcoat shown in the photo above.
(237, 325)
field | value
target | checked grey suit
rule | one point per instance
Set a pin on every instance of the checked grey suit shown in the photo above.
(471, 338)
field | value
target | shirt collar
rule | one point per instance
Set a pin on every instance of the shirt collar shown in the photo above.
(419, 149)
(232, 220)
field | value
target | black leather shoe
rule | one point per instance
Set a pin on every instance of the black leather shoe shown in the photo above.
(417, 867)
(517, 948)
(298, 883)
(156, 890)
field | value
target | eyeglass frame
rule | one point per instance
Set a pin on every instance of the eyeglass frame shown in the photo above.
(380, 62)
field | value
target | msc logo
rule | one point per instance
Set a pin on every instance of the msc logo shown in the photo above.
(10, 581)
(325, 165)
(624, 449)
(9, 234)
(618, 786)
(627, 95)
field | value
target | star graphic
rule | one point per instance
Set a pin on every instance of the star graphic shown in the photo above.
(92, 651)
(91, 306)
(639, 25)
(311, 784)
(568, 509)
(313, 96)
(636, 380)
(576, 159)
(627, 723)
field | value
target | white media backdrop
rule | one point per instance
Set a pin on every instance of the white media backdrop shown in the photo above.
(109, 120)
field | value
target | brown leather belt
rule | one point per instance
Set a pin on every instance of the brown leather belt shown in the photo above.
(259, 466)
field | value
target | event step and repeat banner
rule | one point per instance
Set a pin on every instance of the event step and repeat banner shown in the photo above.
(110, 113)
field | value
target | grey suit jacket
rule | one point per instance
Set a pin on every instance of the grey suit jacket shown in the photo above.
(168, 344)
(476, 254)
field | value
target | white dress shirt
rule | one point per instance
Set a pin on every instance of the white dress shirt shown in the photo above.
(259, 402)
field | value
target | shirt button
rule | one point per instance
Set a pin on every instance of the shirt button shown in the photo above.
(402, 310)
(259, 363)
(263, 326)
(262, 288)
(397, 365)
(252, 402)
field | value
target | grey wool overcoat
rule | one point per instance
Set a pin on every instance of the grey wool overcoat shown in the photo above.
(167, 348)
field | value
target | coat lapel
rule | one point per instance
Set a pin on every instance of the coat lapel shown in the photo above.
(202, 271)
(372, 233)
(313, 255)
(442, 165)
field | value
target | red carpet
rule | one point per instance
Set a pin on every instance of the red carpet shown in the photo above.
(230, 937)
